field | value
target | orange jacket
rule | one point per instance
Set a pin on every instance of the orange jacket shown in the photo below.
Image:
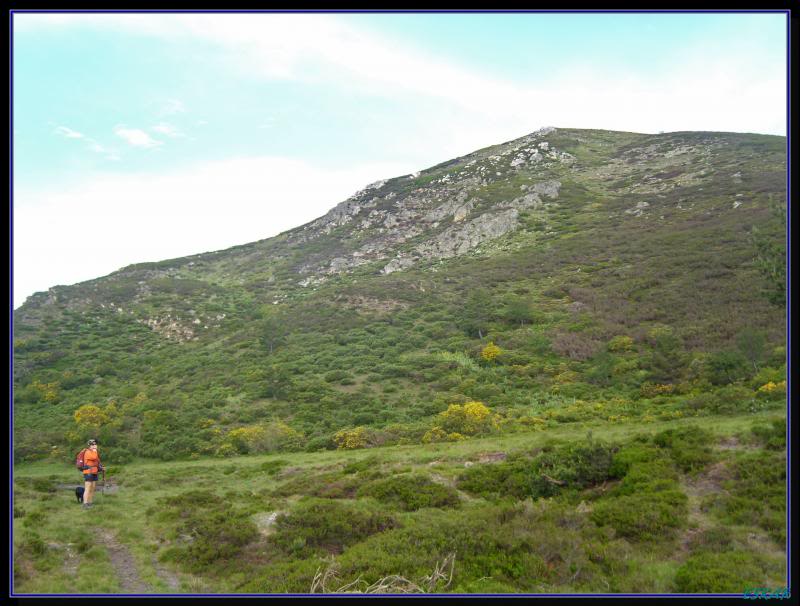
(92, 460)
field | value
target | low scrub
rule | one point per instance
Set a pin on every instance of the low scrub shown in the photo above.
(553, 469)
(756, 494)
(410, 492)
(690, 447)
(645, 516)
(328, 526)
(207, 531)
(727, 572)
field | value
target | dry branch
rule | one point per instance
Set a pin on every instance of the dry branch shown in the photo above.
(443, 571)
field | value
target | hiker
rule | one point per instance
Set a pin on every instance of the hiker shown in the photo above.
(91, 467)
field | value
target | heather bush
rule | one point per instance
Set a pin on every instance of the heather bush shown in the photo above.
(725, 572)
(326, 525)
(410, 492)
(643, 516)
(217, 531)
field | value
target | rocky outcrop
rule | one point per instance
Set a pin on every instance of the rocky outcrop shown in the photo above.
(170, 328)
(460, 239)
(380, 221)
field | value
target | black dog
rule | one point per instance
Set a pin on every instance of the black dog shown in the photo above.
(79, 493)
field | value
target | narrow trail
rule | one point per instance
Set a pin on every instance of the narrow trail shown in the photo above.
(71, 561)
(696, 488)
(172, 581)
(705, 483)
(124, 564)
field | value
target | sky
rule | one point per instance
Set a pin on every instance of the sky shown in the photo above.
(143, 137)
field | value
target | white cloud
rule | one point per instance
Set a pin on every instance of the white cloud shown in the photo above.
(735, 87)
(67, 132)
(136, 137)
(167, 129)
(77, 234)
(92, 145)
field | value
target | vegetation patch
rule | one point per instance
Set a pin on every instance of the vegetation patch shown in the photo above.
(319, 525)
(410, 492)
(207, 530)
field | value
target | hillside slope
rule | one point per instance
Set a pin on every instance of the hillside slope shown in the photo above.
(610, 269)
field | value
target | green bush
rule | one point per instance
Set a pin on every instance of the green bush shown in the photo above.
(577, 465)
(643, 516)
(726, 367)
(716, 538)
(690, 447)
(733, 398)
(218, 531)
(555, 468)
(629, 454)
(649, 476)
(756, 494)
(410, 492)
(726, 572)
(362, 465)
(328, 525)
(773, 436)
(512, 477)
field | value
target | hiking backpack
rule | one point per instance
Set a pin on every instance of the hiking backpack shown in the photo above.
(79, 460)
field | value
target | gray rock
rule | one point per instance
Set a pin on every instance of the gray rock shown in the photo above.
(398, 264)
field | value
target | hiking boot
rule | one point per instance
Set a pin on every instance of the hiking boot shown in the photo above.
(87, 505)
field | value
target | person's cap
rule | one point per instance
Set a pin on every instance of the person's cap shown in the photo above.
(92, 443)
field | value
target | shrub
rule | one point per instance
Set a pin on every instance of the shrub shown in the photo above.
(645, 516)
(620, 343)
(733, 398)
(469, 419)
(772, 390)
(773, 436)
(649, 476)
(218, 532)
(574, 345)
(328, 525)
(410, 492)
(629, 454)
(490, 352)
(366, 464)
(329, 485)
(349, 439)
(690, 447)
(716, 538)
(727, 367)
(727, 572)
(550, 471)
(511, 477)
(756, 495)
(576, 465)
(651, 390)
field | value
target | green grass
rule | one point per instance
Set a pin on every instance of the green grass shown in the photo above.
(523, 545)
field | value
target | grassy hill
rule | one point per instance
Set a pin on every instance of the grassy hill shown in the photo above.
(641, 271)
(346, 371)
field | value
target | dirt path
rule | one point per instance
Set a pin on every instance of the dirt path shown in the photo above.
(71, 561)
(165, 575)
(124, 564)
(705, 483)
